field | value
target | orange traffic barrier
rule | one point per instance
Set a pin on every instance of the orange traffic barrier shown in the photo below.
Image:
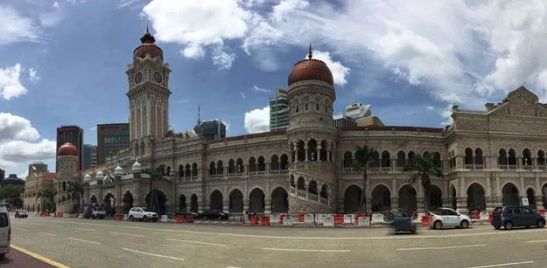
(543, 212)
(490, 216)
(265, 221)
(426, 220)
(281, 218)
(362, 215)
(189, 218)
(118, 217)
(475, 215)
(254, 220)
(301, 217)
(339, 219)
(179, 219)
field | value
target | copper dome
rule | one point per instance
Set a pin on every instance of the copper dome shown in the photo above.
(147, 47)
(310, 69)
(67, 149)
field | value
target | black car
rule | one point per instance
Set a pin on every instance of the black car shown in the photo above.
(186, 213)
(516, 216)
(403, 223)
(213, 214)
(21, 214)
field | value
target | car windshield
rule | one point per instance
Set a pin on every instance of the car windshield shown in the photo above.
(146, 210)
(22, 211)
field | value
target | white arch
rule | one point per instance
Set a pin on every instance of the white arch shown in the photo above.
(514, 184)
(378, 184)
(277, 186)
(346, 188)
(473, 182)
(255, 187)
(401, 187)
(215, 189)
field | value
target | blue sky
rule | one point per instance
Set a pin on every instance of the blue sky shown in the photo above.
(63, 62)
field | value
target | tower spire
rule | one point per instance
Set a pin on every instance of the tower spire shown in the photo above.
(147, 27)
(199, 116)
(310, 53)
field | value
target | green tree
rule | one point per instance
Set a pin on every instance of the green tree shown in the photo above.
(423, 168)
(11, 194)
(76, 190)
(363, 157)
(48, 199)
(155, 174)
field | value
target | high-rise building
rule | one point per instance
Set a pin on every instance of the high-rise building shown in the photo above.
(74, 135)
(358, 110)
(2, 176)
(343, 121)
(37, 167)
(111, 138)
(279, 110)
(90, 156)
(211, 130)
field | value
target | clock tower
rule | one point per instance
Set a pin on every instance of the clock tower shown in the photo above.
(148, 92)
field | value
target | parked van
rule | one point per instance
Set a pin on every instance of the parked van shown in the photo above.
(5, 231)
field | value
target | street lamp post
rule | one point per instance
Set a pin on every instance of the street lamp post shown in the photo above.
(118, 172)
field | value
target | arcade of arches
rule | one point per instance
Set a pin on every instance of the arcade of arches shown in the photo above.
(381, 199)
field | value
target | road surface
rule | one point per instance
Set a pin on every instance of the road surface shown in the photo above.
(84, 243)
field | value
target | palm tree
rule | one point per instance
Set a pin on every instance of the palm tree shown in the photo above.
(76, 190)
(423, 167)
(158, 173)
(363, 157)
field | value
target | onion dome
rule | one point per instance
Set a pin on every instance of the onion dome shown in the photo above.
(67, 149)
(136, 167)
(147, 47)
(99, 176)
(118, 171)
(87, 178)
(311, 69)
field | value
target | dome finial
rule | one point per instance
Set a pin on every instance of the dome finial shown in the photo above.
(147, 27)
(310, 53)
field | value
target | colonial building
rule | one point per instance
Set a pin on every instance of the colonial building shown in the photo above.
(37, 182)
(488, 158)
(67, 174)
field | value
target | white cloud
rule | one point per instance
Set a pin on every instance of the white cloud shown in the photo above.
(444, 112)
(56, 5)
(223, 59)
(258, 120)
(242, 95)
(10, 83)
(20, 143)
(339, 71)
(33, 75)
(261, 90)
(14, 27)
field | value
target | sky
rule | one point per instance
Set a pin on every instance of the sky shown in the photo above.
(63, 62)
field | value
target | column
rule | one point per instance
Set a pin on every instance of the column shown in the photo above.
(245, 204)
(225, 205)
(461, 205)
(539, 202)
(306, 153)
(267, 206)
(395, 205)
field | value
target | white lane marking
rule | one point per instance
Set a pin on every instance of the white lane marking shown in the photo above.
(135, 235)
(215, 222)
(438, 248)
(21, 229)
(197, 242)
(308, 237)
(503, 264)
(152, 254)
(85, 229)
(232, 267)
(536, 241)
(308, 250)
(85, 241)
(50, 234)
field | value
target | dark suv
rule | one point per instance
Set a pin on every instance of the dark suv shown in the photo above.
(519, 216)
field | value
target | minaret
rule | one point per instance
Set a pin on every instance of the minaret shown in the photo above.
(148, 92)
(197, 128)
(312, 137)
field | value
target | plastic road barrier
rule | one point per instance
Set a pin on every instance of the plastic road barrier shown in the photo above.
(348, 219)
(180, 219)
(364, 222)
(288, 221)
(282, 217)
(265, 221)
(254, 220)
(426, 220)
(301, 217)
(328, 221)
(339, 219)
(189, 218)
(309, 218)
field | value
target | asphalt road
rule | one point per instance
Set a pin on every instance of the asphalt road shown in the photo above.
(119, 244)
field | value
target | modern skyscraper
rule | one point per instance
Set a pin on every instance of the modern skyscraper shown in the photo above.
(2, 176)
(343, 121)
(37, 167)
(111, 138)
(211, 130)
(90, 156)
(74, 135)
(279, 111)
(358, 110)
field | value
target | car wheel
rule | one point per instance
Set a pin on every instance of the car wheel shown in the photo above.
(438, 225)
(497, 227)
(155, 220)
(540, 224)
(464, 224)
(508, 225)
(131, 218)
(145, 219)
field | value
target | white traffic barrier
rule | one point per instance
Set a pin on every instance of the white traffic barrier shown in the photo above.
(164, 218)
(484, 215)
(308, 218)
(364, 221)
(124, 217)
(288, 220)
(319, 218)
(328, 221)
(377, 217)
(348, 218)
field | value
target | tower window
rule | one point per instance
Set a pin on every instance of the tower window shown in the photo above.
(317, 106)
(306, 106)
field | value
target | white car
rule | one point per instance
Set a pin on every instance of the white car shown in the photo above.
(141, 213)
(448, 218)
(5, 231)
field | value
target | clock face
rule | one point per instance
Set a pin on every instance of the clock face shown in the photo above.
(138, 78)
(158, 77)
